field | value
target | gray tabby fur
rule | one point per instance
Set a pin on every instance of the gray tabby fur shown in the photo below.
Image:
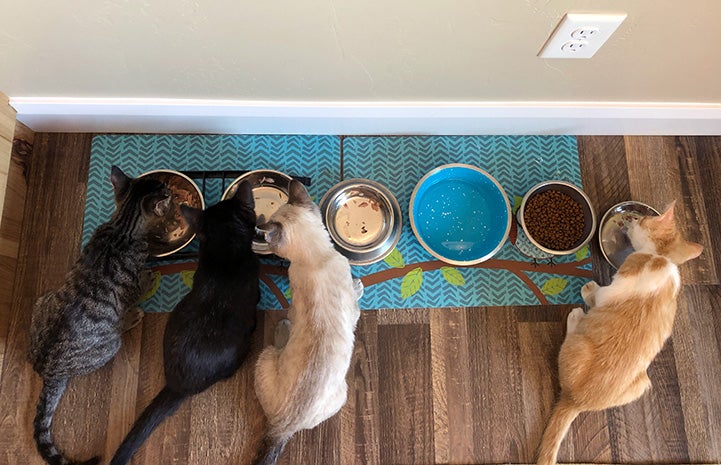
(77, 328)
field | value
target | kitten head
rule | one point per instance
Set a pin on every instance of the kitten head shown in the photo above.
(150, 198)
(659, 235)
(297, 216)
(227, 223)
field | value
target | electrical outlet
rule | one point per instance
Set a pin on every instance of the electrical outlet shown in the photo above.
(580, 35)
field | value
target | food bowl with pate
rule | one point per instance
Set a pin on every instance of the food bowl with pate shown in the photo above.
(613, 230)
(363, 219)
(270, 191)
(173, 233)
(556, 217)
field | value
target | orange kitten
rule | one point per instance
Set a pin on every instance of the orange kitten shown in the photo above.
(604, 357)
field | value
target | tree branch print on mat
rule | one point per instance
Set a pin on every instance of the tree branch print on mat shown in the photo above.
(412, 274)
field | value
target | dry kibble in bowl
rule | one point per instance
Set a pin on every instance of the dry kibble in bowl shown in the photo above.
(554, 219)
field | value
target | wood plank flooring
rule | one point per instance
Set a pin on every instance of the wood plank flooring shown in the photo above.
(445, 386)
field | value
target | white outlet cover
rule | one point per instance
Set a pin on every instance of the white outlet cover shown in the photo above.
(592, 28)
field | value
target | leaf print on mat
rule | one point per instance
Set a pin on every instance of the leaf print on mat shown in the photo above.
(516, 204)
(411, 282)
(453, 276)
(582, 253)
(154, 289)
(554, 286)
(395, 259)
(187, 277)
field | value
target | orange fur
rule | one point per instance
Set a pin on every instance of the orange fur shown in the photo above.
(604, 358)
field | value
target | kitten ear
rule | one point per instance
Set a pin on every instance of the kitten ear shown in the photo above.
(162, 206)
(244, 193)
(120, 181)
(272, 232)
(667, 219)
(693, 250)
(297, 194)
(192, 216)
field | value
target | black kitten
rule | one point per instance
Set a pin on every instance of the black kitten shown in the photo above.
(208, 334)
(76, 329)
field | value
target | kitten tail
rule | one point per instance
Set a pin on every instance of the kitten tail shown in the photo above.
(163, 406)
(50, 395)
(270, 451)
(563, 415)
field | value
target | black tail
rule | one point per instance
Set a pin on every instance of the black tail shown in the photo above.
(270, 451)
(49, 397)
(163, 406)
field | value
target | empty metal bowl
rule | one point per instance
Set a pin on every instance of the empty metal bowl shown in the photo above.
(612, 232)
(363, 219)
(589, 215)
(173, 233)
(270, 191)
(460, 214)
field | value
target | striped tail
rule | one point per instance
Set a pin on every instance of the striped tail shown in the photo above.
(53, 390)
(164, 405)
(563, 415)
(270, 451)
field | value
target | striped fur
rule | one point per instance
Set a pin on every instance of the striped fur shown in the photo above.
(76, 329)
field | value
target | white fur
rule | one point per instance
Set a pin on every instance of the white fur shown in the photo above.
(303, 384)
(645, 283)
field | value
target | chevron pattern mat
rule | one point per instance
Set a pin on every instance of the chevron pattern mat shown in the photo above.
(411, 277)
(315, 157)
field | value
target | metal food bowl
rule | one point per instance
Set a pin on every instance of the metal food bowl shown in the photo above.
(270, 191)
(173, 233)
(460, 214)
(576, 194)
(612, 232)
(363, 219)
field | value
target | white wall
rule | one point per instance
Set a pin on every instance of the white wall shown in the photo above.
(359, 51)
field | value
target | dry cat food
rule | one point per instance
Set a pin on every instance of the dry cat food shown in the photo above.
(554, 219)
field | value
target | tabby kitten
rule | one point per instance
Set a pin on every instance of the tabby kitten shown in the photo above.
(76, 329)
(208, 335)
(300, 380)
(604, 358)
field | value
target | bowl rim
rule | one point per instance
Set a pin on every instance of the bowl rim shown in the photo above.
(202, 205)
(483, 172)
(605, 218)
(260, 248)
(250, 173)
(522, 221)
(395, 227)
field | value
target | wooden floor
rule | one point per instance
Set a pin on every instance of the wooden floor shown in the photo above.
(463, 385)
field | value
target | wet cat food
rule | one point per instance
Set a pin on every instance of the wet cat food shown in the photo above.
(554, 219)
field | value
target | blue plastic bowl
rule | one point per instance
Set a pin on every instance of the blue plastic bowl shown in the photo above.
(460, 214)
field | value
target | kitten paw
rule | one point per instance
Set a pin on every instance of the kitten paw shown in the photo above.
(132, 318)
(573, 319)
(358, 288)
(588, 292)
(281, 333)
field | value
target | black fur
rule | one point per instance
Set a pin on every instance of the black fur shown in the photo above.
(208, 334)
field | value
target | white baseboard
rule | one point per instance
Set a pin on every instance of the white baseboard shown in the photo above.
(351, 118)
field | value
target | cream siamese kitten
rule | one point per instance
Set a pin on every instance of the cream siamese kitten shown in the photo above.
(604, 357)
(300, 380)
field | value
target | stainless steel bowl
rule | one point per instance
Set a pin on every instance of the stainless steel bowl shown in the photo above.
(270, 191)
(612, 238)
(363, 219)
(173, 233)
(576, 194)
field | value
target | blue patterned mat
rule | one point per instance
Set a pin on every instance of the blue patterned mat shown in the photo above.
(409, 277)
